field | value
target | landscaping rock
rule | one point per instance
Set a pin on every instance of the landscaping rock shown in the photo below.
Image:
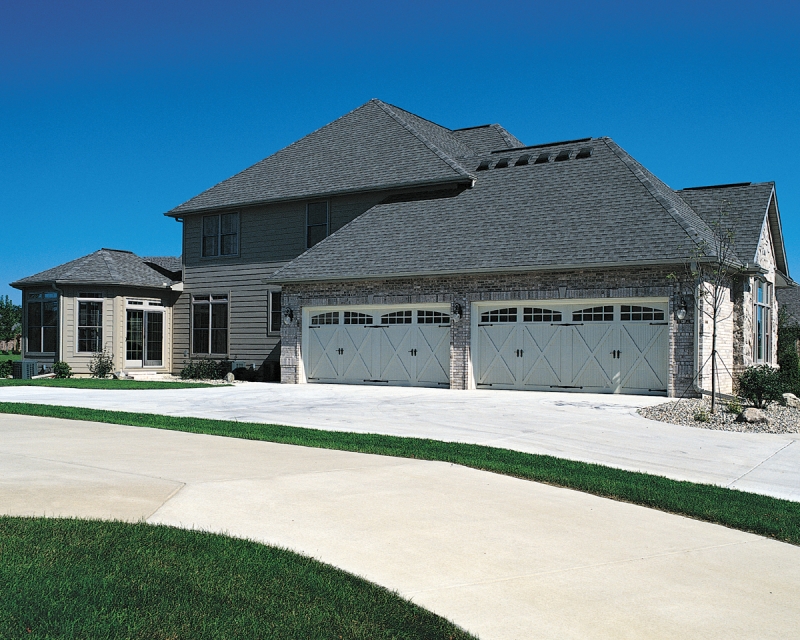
(791, 400)
(752, 416)
(780, 419)
(229, 378)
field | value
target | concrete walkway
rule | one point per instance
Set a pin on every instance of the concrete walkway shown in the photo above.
(502, 557)
(593, 428)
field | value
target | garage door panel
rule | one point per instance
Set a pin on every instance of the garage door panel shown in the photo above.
(396, 359)
(433, 354)
(593, 367)
(323, 353)
(541, 356)
(498, 355)
(644, 357)
(357, 356)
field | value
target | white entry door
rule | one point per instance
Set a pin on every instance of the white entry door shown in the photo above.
(611, 348)
(379, 346)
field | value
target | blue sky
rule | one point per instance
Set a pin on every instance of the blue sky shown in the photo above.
(113, 113)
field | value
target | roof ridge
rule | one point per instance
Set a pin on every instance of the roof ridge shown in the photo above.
(649, 181)
(511, 141)
(451, 162)
(112, 268)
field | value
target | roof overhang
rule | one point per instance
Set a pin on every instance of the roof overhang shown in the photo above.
(403, 186)
(94, 283)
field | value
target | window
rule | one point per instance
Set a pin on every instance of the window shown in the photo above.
(331, 317)
(351, 317)
(42, 316)
(397, 317)
(210, 324)
(432, 317)
(763, 322)
(534, 314)
(632, 313)
(221, 235)
(90, 323)
(275, 317)
(500, 315)
(594, 314)
(316, 223)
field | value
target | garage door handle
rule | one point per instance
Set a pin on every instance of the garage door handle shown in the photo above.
(341, 352)
(413, 352)
(616, 353)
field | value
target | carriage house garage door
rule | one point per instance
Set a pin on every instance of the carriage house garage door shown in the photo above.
(608, 347)
(393, 346)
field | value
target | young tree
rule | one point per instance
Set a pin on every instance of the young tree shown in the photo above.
(712, 271)
(10, 319)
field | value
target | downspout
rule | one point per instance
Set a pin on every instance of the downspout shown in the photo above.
(59, 341)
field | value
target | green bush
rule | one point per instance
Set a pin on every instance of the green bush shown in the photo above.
(5, 368)
(702, 415)
(734, 406)
(788, 360)
(760, 385)
(102, 364)
(204, 370)
(62, 370)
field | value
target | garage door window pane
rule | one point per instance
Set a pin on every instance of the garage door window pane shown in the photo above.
(635, 313)
(332, 317)
(432, 317)
(397, 317)
(535, 314)
(351, 317)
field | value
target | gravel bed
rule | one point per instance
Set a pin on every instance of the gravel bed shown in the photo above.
(781, 419)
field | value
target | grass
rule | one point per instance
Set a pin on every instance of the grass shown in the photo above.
(101, 383)
(67, 578)
(10, 356)
(763, 515)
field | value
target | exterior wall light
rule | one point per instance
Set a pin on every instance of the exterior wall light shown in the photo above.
(681, 312)
(457, 312)
(288, 316)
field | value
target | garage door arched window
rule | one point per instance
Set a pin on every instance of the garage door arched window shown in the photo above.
(352, 317)
(397, 317)
(331, 317)
(500, 315)
(635, 313)
(432, 317)
(535, 314)
(594, 314)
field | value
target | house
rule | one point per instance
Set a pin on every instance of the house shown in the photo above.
(109, 300)
(386, 249)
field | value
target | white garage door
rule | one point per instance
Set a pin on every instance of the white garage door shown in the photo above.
(398, 347)
(611, 348)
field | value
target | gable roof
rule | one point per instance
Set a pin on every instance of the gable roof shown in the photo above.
(744, 206)
(104, 267)
(487, 138)
(604, 210)
(376, 146)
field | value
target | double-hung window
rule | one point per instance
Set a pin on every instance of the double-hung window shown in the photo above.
(762, 322)
(317, 223)
(210, 324)
(42, 320)
(220, 235)
(275, 316)
(90, 323)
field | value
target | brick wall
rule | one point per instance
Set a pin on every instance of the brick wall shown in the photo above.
(465, 289)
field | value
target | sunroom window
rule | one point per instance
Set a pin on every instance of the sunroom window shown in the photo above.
(42, 319)
(90, 323)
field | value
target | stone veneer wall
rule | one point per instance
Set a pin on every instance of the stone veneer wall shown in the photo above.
(465, 289)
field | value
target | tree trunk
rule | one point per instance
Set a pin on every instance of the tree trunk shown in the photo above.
(714, 365)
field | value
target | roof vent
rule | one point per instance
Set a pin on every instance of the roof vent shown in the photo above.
(562, 155)
(522, 160)
(586, 152)
(543, 157)
(502, 163)
(483, 166)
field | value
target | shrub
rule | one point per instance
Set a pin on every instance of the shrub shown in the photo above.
(4, 352)
(760, 385)
(734, 406)
(5, 368)
(62, 370)
(788, 360)
(702, 415)
(102, 364)
(204, 370)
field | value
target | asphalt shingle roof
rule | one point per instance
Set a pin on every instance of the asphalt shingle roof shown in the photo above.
(789, 299)
(744, 208)
(103, 267)
(603, 210)
(487, 138)
(376, 146)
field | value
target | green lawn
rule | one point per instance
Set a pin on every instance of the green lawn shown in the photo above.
(10, 356)
(63, 578)
(779, 519)
(97, 383)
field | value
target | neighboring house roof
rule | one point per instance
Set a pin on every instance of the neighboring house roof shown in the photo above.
(743, 208)
(376, 146)
(104, 267)
(789, 300)
(603, 210)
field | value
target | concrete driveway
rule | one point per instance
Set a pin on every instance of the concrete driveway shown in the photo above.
(502, 557)
(593, 428)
